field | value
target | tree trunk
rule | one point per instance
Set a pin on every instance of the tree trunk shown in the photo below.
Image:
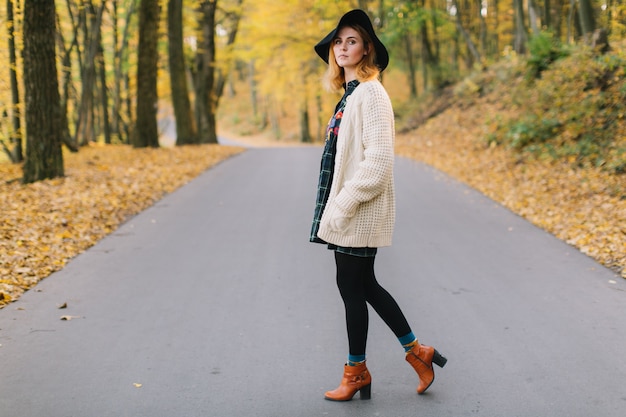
(496, 30)
(128, 106)
(117, 82)
(436, 42)
(205, 74)
(427, 56)
(587, 19)
(532, 17)
(410, 60)
(557, 17)
(44, 156)
(521, 34)
(146, 131)
(185, 128)
(456, 53)
(570, 21)
(305, 133)
(85, 124)
(474, 54)
(222, 76)
(483, 28)
(119, 127)
(66, 71)
(104, 94)
(547, 15)
(15, 152)
(253, 90)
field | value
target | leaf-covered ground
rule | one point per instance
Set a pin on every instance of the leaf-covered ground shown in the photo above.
(578, 206)
(45, 224)
(584, 206)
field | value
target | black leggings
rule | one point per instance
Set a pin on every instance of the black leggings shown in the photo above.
(358, 286)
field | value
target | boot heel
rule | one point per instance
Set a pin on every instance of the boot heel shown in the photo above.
(439, 360)
(366, 392)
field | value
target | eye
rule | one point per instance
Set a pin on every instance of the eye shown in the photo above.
(337, 41)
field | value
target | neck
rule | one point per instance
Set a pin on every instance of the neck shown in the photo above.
(349, 75)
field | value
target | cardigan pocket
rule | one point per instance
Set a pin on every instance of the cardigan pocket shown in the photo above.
(336, 222)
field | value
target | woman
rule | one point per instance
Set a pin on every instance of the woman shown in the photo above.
(355, 210)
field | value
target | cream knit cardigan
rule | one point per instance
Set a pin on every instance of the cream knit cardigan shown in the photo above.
(360, 211)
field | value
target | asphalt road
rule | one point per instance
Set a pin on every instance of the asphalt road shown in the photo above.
(213, 303)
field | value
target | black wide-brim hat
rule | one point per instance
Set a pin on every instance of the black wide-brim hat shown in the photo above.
(355, 17)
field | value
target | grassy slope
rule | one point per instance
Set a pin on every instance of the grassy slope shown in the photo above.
(580, 203)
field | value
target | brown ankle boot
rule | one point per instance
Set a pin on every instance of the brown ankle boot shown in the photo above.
(355, 378)
(421, 358)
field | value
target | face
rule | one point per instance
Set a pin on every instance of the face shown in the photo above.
(349, 48)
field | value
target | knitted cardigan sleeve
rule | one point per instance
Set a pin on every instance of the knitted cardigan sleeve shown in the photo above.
(375, 170)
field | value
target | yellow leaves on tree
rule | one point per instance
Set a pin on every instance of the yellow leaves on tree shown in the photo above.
(43, 225)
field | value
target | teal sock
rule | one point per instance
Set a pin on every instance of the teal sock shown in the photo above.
(354, 360)
(408, 341)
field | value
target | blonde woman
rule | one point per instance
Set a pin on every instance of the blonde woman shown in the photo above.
(355, 209)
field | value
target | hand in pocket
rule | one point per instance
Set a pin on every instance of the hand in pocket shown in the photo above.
(339, 223)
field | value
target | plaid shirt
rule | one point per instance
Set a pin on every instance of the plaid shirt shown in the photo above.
(326, 176)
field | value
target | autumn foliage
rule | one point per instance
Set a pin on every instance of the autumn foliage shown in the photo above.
(43, 225)
(552, 148)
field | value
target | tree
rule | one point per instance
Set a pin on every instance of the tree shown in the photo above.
(104, 92)
(305, 134)
(119, 124)
(471, 47)
(66, 84)
(230, 23)
(91, 24)
(587, 19)
(185, 127)
(15, 153)
(411, 65)
(547, 15)
(406, 26)
(532, 17)
(146, 131)
(521, 33)
(209, 75)
(44, 130)
(204, 80)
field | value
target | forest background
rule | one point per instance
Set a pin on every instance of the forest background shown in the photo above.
(522, 99)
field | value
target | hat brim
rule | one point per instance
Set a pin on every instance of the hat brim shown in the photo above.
(359, 18)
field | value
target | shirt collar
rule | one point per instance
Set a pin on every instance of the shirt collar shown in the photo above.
(351, 86)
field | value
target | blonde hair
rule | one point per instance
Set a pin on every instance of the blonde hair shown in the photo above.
(366, 70)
